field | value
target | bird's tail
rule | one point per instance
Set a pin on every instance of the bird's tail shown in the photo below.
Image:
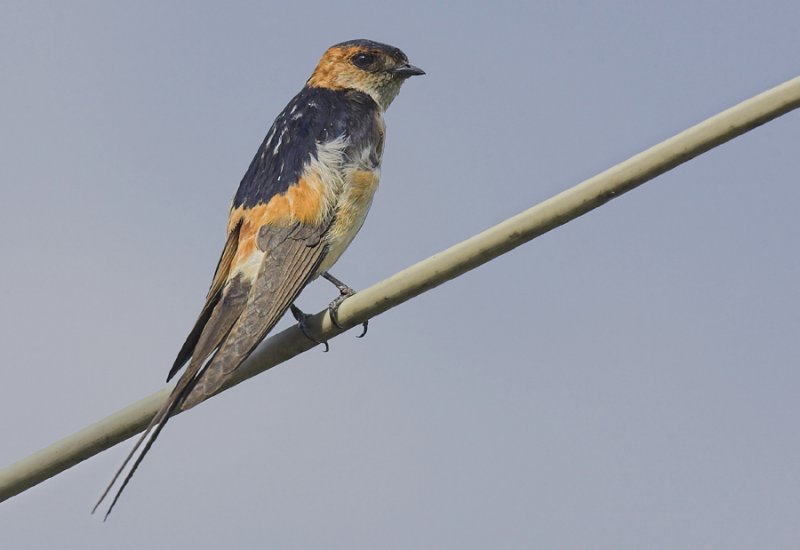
(146, 441)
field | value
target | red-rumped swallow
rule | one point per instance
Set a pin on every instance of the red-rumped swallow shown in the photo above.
(300, 204)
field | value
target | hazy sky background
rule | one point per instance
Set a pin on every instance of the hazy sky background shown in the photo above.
(628, 381)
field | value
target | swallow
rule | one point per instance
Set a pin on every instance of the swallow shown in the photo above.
(299, 205)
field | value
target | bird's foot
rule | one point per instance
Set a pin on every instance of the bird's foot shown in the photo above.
(333, 308)
(303, 325)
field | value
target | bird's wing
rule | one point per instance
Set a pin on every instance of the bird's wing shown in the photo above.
(291, 257)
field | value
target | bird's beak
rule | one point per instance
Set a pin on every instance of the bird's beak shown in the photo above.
(407, 70)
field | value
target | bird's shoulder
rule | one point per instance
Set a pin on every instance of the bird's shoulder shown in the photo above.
(313, 121)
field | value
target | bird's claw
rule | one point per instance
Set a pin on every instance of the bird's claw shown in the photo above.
(303, 326)
(333, 310)
(344, 293)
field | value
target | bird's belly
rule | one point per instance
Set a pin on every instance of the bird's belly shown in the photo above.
(351, 211)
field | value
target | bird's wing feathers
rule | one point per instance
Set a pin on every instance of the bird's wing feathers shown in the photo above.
(291, 257)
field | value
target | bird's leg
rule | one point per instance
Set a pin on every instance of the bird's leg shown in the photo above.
(301, 323)
(345, 292)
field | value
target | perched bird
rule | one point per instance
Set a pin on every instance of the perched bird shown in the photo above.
(298, 206)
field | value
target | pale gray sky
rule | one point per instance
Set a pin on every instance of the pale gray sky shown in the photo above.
(628, 381)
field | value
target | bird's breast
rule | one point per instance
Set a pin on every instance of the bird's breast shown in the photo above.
(352, 207)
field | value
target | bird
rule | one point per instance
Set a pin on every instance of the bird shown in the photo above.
(298, 206)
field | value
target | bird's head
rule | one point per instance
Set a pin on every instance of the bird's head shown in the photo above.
(363, 65)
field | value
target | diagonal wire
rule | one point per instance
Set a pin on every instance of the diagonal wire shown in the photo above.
(424, 276)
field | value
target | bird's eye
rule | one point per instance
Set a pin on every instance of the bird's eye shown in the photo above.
(363, 60)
